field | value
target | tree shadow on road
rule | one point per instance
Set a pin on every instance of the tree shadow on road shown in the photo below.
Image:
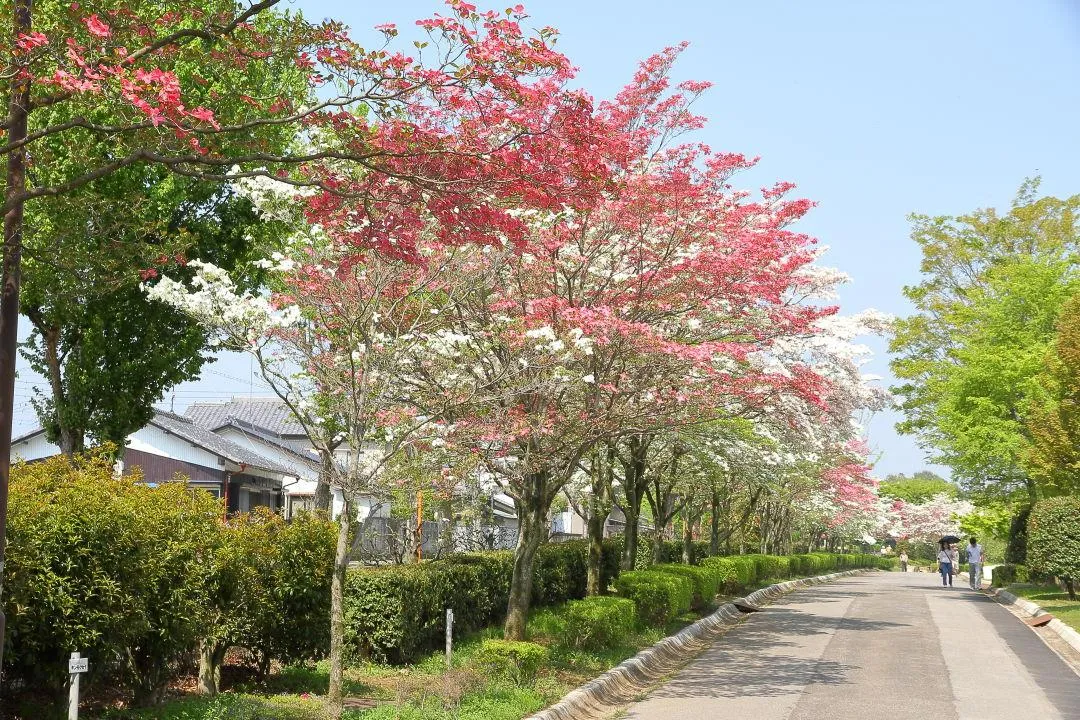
(747, 661)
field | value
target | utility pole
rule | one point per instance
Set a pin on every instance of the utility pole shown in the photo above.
(14, 200)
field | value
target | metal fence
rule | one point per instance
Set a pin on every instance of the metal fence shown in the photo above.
(382, 540)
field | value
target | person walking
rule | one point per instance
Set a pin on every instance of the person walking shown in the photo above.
(975, 563)
(945, 565)
(954, 560)
(903, 561)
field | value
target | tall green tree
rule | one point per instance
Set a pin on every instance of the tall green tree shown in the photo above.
(107, 352)
(917, 488)
(1053, 418)
(993, 287)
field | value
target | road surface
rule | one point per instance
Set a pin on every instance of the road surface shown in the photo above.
(885, 646)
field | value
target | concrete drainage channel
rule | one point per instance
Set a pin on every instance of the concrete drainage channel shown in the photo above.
(628, 680)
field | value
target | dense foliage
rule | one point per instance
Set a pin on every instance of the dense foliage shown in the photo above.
(658, 597)
(106, 566)
(1053, 540)
(972, 360)
(599, 621)
(918, 488)
(397, 613)
(136, 578)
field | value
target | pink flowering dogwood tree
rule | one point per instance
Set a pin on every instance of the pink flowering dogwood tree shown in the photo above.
(633, 313)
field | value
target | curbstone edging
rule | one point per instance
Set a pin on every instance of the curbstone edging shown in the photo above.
(631, 677)
(1063, 631)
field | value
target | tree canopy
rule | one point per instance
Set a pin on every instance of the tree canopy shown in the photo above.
(917, 488)
(993, 289)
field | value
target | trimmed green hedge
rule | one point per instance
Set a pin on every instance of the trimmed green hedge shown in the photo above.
(706, 581)
(1005, 575)
(599, 622)
(398, 613)
(1053, 540)
(658, 596)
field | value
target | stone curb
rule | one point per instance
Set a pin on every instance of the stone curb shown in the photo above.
(1063, 631)
(632, 677)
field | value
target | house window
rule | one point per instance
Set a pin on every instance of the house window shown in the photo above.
(214, 490)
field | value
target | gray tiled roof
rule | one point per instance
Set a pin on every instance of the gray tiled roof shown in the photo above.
(253, 430)
(185, 428)
(271, 414)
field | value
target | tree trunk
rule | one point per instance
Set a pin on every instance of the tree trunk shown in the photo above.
(714, 522)
(337, 611)
(71, 440)
(322, 488)
(211, 658)
(630, 538)
(658, 547)
(687, 542)
(1070, 588)
(597, 518)
(532, 526)
(633, 490)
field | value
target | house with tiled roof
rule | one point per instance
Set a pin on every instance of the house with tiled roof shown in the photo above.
(267, 427)
(172, 445)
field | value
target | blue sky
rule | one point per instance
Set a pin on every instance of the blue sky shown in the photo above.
(875, 110)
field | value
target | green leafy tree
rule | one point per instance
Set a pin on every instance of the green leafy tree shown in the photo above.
(918, 488)
(992, 291)
(1053, 418)
(1053, 540)
(107, 352)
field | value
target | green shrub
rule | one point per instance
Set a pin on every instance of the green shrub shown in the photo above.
(706, 582)
(726, 571)
(396, 614)
(269, 584)
(516, 661)
(598, 622)
(747, 569)
(658, 597)
(766, 567)
(1053, 540)
(104, 565)
(560, 572)
(1005, 575)
(812, 564)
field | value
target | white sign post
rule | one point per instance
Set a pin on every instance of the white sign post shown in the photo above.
(77, 665)
(449, 636)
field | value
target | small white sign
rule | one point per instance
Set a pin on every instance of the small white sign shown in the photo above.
(78, 665)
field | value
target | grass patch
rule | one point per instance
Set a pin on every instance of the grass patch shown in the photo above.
(229, 706)
(1053, 600)
(424, 691)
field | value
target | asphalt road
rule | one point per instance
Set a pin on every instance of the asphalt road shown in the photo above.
(886, 646)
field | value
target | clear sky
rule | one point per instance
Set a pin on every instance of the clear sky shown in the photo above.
(875, 110)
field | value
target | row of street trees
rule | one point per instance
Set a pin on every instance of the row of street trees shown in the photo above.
(446, 258)
(651, 327)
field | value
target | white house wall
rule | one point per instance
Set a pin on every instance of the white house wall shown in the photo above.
(270, 452)
(34, 448)
(152, 439)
